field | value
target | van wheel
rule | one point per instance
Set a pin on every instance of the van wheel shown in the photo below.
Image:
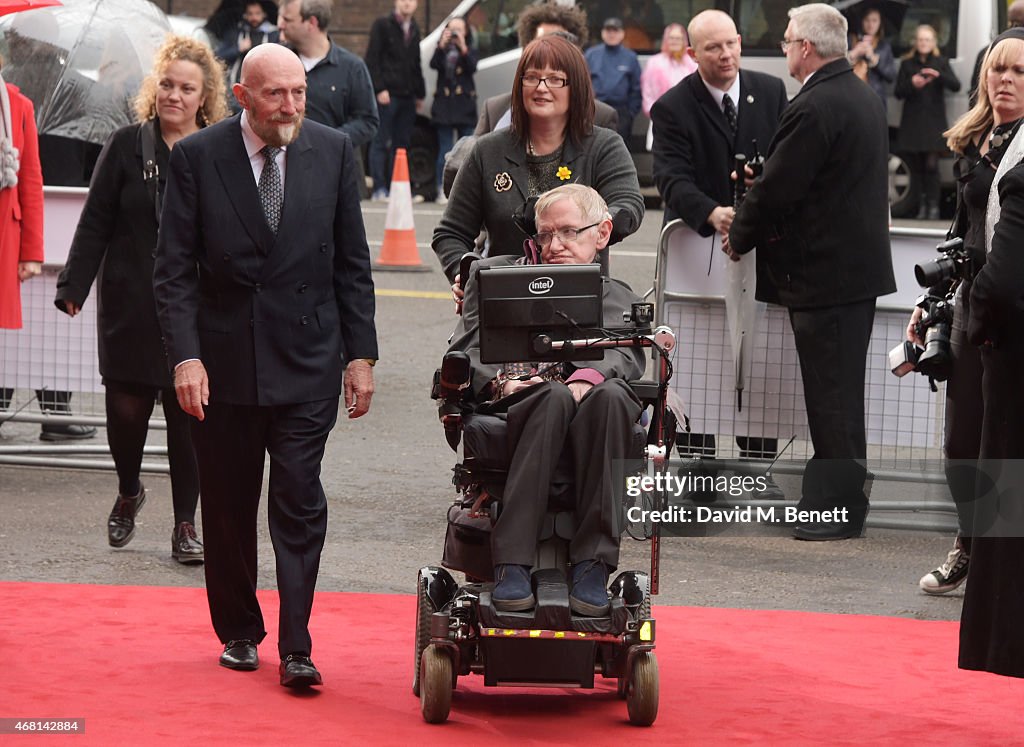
(902, 189)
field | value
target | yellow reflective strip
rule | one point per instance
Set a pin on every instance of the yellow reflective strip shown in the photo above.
(645, 631)
(534, 634)
(559, 634)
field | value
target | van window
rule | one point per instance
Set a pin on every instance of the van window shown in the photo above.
(644, 20)
(942, 15)
(493, 24)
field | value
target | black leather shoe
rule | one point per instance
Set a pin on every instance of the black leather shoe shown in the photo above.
(66, 432)
(240, 655)
(828, 530)
(297, 670)
(185, 545)
(121, 522)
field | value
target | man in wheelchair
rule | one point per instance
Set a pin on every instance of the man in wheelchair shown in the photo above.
(561, 416)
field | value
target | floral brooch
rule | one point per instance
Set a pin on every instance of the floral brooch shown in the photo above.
(564, 173)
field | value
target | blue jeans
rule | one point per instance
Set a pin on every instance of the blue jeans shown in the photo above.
(446, 138)
(396, 122)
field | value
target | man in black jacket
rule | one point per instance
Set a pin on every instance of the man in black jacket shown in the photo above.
(393, 57)
(695, 147)
(819, 217)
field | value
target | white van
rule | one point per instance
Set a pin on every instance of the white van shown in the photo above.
(964, 27)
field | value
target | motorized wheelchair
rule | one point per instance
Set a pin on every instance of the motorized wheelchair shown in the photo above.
(458, 629)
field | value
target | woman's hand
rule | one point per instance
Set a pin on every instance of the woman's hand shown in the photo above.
(27, 270)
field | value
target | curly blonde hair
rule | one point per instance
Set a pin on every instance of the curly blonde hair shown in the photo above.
(177, 48)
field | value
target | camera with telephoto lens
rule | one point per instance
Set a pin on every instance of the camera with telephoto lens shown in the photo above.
(954, 264)
(935, 360)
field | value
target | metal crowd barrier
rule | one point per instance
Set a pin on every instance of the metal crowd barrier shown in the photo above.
(904, 418)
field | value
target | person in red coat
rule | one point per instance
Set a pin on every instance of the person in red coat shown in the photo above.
(21, 204)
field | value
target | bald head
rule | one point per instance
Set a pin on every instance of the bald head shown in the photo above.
(715, 47)
(272, 91)
(1015, 14)
(268, 60)
(710, 23)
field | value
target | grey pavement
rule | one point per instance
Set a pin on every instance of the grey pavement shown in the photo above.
(387, 477)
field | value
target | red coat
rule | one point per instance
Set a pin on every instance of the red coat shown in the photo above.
(21, 211)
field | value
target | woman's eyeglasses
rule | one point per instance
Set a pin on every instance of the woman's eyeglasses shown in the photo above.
(552, 81)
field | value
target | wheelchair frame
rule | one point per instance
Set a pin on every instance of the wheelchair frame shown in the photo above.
(458, 633)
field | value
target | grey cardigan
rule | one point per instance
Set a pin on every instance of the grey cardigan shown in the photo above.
(492, 185)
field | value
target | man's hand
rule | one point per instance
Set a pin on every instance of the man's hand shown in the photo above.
(358, 390)
(514, 385)
(383, 98)
(192, 387)
(579, 389)
(458, 293)
(721, 219)
(912, 335)
(28, 270)
(727, 248)
(419, 106)
(71, 308)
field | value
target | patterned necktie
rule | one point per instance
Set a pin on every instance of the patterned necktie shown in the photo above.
(270, 189)
(730, 113)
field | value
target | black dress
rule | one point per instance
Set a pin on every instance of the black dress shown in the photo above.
(992, 623)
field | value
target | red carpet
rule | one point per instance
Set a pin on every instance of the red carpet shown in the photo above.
(139, 664)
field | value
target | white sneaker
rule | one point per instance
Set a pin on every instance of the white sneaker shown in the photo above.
(947, 576)
(417, 199)
(441, 199)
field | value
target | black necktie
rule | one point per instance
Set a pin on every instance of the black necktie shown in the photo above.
(730, 113)
(270, 189)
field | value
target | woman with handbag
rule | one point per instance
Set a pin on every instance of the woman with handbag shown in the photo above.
(116, 242)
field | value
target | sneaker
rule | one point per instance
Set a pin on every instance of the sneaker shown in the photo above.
(441, 199)
(65, 432)
(185, 545)
(949, 575)
(418, 199)
(121, 522)
(512, 592)
(589, 595)
(379, 195)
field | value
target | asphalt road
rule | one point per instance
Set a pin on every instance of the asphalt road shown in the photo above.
(387, 477)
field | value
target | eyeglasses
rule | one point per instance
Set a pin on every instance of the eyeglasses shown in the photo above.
(565, 235)
(552, 81)
(784, 44)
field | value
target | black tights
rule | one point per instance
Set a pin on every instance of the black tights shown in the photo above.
(129, 407)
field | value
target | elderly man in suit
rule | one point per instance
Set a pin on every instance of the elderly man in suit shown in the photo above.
(700, 124)
(819, 216)
(263, 290)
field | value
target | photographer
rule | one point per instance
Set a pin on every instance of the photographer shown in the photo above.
(993, 613)
(454, 108)
(979, 139)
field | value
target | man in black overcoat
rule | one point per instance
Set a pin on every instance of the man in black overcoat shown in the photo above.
(819, 217)
(263, 290)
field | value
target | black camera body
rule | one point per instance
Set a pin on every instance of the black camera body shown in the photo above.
(954, 264)
(756, 164)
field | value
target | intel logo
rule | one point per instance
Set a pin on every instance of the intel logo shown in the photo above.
(541, 285)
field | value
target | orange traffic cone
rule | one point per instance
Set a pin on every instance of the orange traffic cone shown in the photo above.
(399, 252)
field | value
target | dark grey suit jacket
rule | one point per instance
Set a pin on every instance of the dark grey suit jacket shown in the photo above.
(271, 317)
(694, 149)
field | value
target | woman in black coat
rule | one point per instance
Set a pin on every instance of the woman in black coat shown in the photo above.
(454, 109)
(924, 77)
(116, 241)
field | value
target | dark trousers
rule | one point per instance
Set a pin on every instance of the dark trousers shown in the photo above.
(832, 344)
(231, 444)
(447, 136)
(396, 122)
(542, 422)
(625, 126)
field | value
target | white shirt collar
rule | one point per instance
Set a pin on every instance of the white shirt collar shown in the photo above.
(719, 95)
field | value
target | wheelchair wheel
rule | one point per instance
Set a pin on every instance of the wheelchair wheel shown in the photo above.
(642, 690)
(435, 685)
(424, 609)
(643, 612)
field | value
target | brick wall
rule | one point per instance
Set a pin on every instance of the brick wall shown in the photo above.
(350, 24)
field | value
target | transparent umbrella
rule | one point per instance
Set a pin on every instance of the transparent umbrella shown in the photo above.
(82, 63)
